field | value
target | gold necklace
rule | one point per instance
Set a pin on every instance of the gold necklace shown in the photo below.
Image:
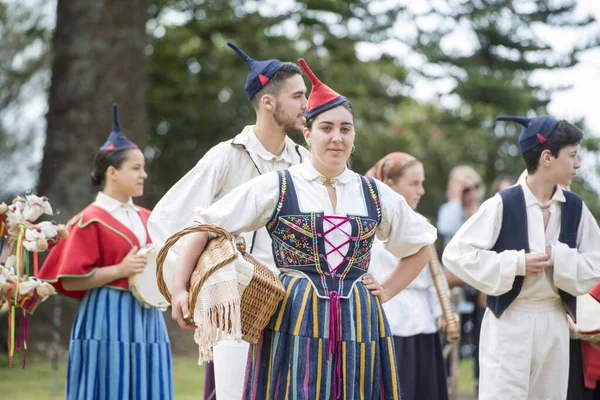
(329, 181)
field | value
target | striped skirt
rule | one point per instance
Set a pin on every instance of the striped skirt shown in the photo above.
(118, 349)
(292, 359)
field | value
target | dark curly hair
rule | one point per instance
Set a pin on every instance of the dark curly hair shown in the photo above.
(565, 134)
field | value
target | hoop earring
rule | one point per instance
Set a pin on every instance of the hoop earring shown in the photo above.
(353, 149)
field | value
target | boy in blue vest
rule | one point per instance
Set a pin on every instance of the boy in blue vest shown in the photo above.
(531, 248)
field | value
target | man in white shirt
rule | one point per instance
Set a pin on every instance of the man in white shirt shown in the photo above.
(531, 248)
(278, 94)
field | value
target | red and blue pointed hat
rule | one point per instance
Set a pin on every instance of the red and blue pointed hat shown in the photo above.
(116, 141)
(322, 97)
(259, 72)
(535, 132)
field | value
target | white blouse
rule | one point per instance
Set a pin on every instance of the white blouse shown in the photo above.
(576, 271)
(250, 207)
(416, 308)
(223, 168)
(126, 213)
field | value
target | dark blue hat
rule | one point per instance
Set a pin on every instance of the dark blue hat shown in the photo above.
(259, 72)
(535, 132)
(116, 141)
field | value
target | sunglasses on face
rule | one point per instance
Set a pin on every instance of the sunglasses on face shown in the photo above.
(469, 188)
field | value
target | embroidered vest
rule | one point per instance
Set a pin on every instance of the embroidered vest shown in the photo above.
(299, 239)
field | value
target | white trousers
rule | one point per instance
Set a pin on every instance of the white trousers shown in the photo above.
(524, 354)
(230, 360)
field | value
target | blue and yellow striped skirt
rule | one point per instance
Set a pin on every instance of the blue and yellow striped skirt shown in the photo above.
(292, 359)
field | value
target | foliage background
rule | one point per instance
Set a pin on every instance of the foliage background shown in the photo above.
(181, 88)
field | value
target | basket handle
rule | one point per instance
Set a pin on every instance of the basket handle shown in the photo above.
(162, 254)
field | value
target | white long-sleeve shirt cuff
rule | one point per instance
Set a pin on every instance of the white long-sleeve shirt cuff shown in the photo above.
(521, 264)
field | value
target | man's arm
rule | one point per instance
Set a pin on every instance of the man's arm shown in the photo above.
(198, 188)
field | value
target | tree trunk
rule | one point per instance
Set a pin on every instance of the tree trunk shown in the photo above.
(98, 59)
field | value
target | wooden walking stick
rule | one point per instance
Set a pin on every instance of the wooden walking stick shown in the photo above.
(439, 280)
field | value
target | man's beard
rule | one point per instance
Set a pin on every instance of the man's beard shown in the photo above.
(288, 123)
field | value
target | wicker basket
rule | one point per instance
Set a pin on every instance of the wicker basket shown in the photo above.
(260, 298)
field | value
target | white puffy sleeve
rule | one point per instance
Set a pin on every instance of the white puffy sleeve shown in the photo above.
(246, 208)
(403, 231)
(469, 255)
(198, 188)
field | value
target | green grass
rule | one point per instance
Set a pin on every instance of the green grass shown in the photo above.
(466, 380)
(35, 381)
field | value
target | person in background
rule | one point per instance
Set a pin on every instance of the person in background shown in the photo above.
(464, 193)
(500, 183)
(415, 314)
(277, 93)
(119, 349)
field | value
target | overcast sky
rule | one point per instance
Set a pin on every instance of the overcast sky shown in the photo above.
(579, 101)
(582, 99)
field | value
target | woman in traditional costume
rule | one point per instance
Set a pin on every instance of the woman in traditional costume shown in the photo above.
(415, 314)
(329, 337)
(119, 349)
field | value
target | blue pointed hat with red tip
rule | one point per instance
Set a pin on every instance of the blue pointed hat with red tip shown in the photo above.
(259, 72)
(535, 132)
(322, 97)
(116, 141)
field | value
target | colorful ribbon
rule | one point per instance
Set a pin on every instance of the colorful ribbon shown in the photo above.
(334, 342)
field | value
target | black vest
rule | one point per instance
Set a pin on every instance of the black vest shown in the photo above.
(513, 236)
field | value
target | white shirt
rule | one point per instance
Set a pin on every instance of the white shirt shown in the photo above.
(223, 168)
(416, 308)
(126, 213)
(576, 271)
(250, 207)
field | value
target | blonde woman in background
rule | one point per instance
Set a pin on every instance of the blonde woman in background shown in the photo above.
(465, 193)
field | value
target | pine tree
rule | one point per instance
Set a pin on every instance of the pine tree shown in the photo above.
(98, 59)
(197, 93)
(489, 49)
(24, 63)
